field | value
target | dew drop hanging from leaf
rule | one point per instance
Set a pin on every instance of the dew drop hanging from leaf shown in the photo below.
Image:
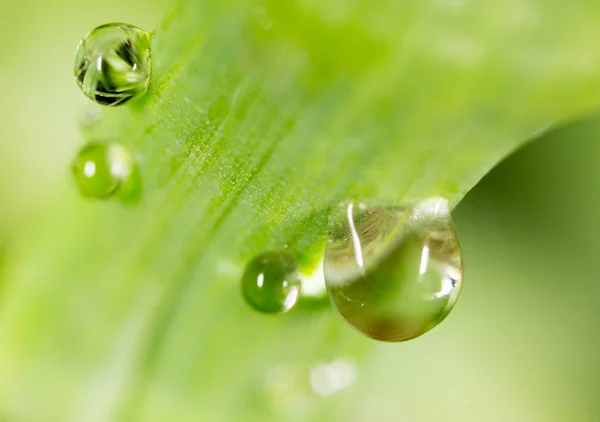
(394, 273)
(271, 283)
(112, 63)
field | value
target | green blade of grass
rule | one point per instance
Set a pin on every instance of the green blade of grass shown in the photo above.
(261, 116)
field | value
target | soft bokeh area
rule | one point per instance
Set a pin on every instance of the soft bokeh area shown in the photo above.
(523, 343)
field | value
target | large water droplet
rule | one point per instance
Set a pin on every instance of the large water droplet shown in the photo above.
(101, 170)
(112, 63)
(271, 283)
(394, 273)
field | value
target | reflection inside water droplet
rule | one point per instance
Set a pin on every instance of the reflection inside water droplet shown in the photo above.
(112, 63)
(394, 273)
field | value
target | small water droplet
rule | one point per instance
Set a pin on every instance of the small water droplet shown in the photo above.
(103, 170)
(271, 283)
(394, 273)
(112, 63)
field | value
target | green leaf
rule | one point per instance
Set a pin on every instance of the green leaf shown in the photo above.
(261, 117)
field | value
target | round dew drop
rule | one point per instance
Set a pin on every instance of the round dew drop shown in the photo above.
(394, 273)
(112, 63)
(271, 283)
(100, 170)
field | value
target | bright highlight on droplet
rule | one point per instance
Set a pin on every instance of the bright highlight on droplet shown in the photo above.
(112, 63)
(271, 283)
(89, 169)
(394, 273)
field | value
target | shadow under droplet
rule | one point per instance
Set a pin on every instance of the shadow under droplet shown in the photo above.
(130, 192)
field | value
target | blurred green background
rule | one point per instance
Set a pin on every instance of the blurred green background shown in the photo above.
(523, 343)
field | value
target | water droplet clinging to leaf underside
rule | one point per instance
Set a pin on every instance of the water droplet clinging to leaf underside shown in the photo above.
(394, 273)
(271, 283)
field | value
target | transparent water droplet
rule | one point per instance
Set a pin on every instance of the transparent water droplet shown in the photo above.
(271, 283)
(394, 273)
(112, 63)
(102, 170)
